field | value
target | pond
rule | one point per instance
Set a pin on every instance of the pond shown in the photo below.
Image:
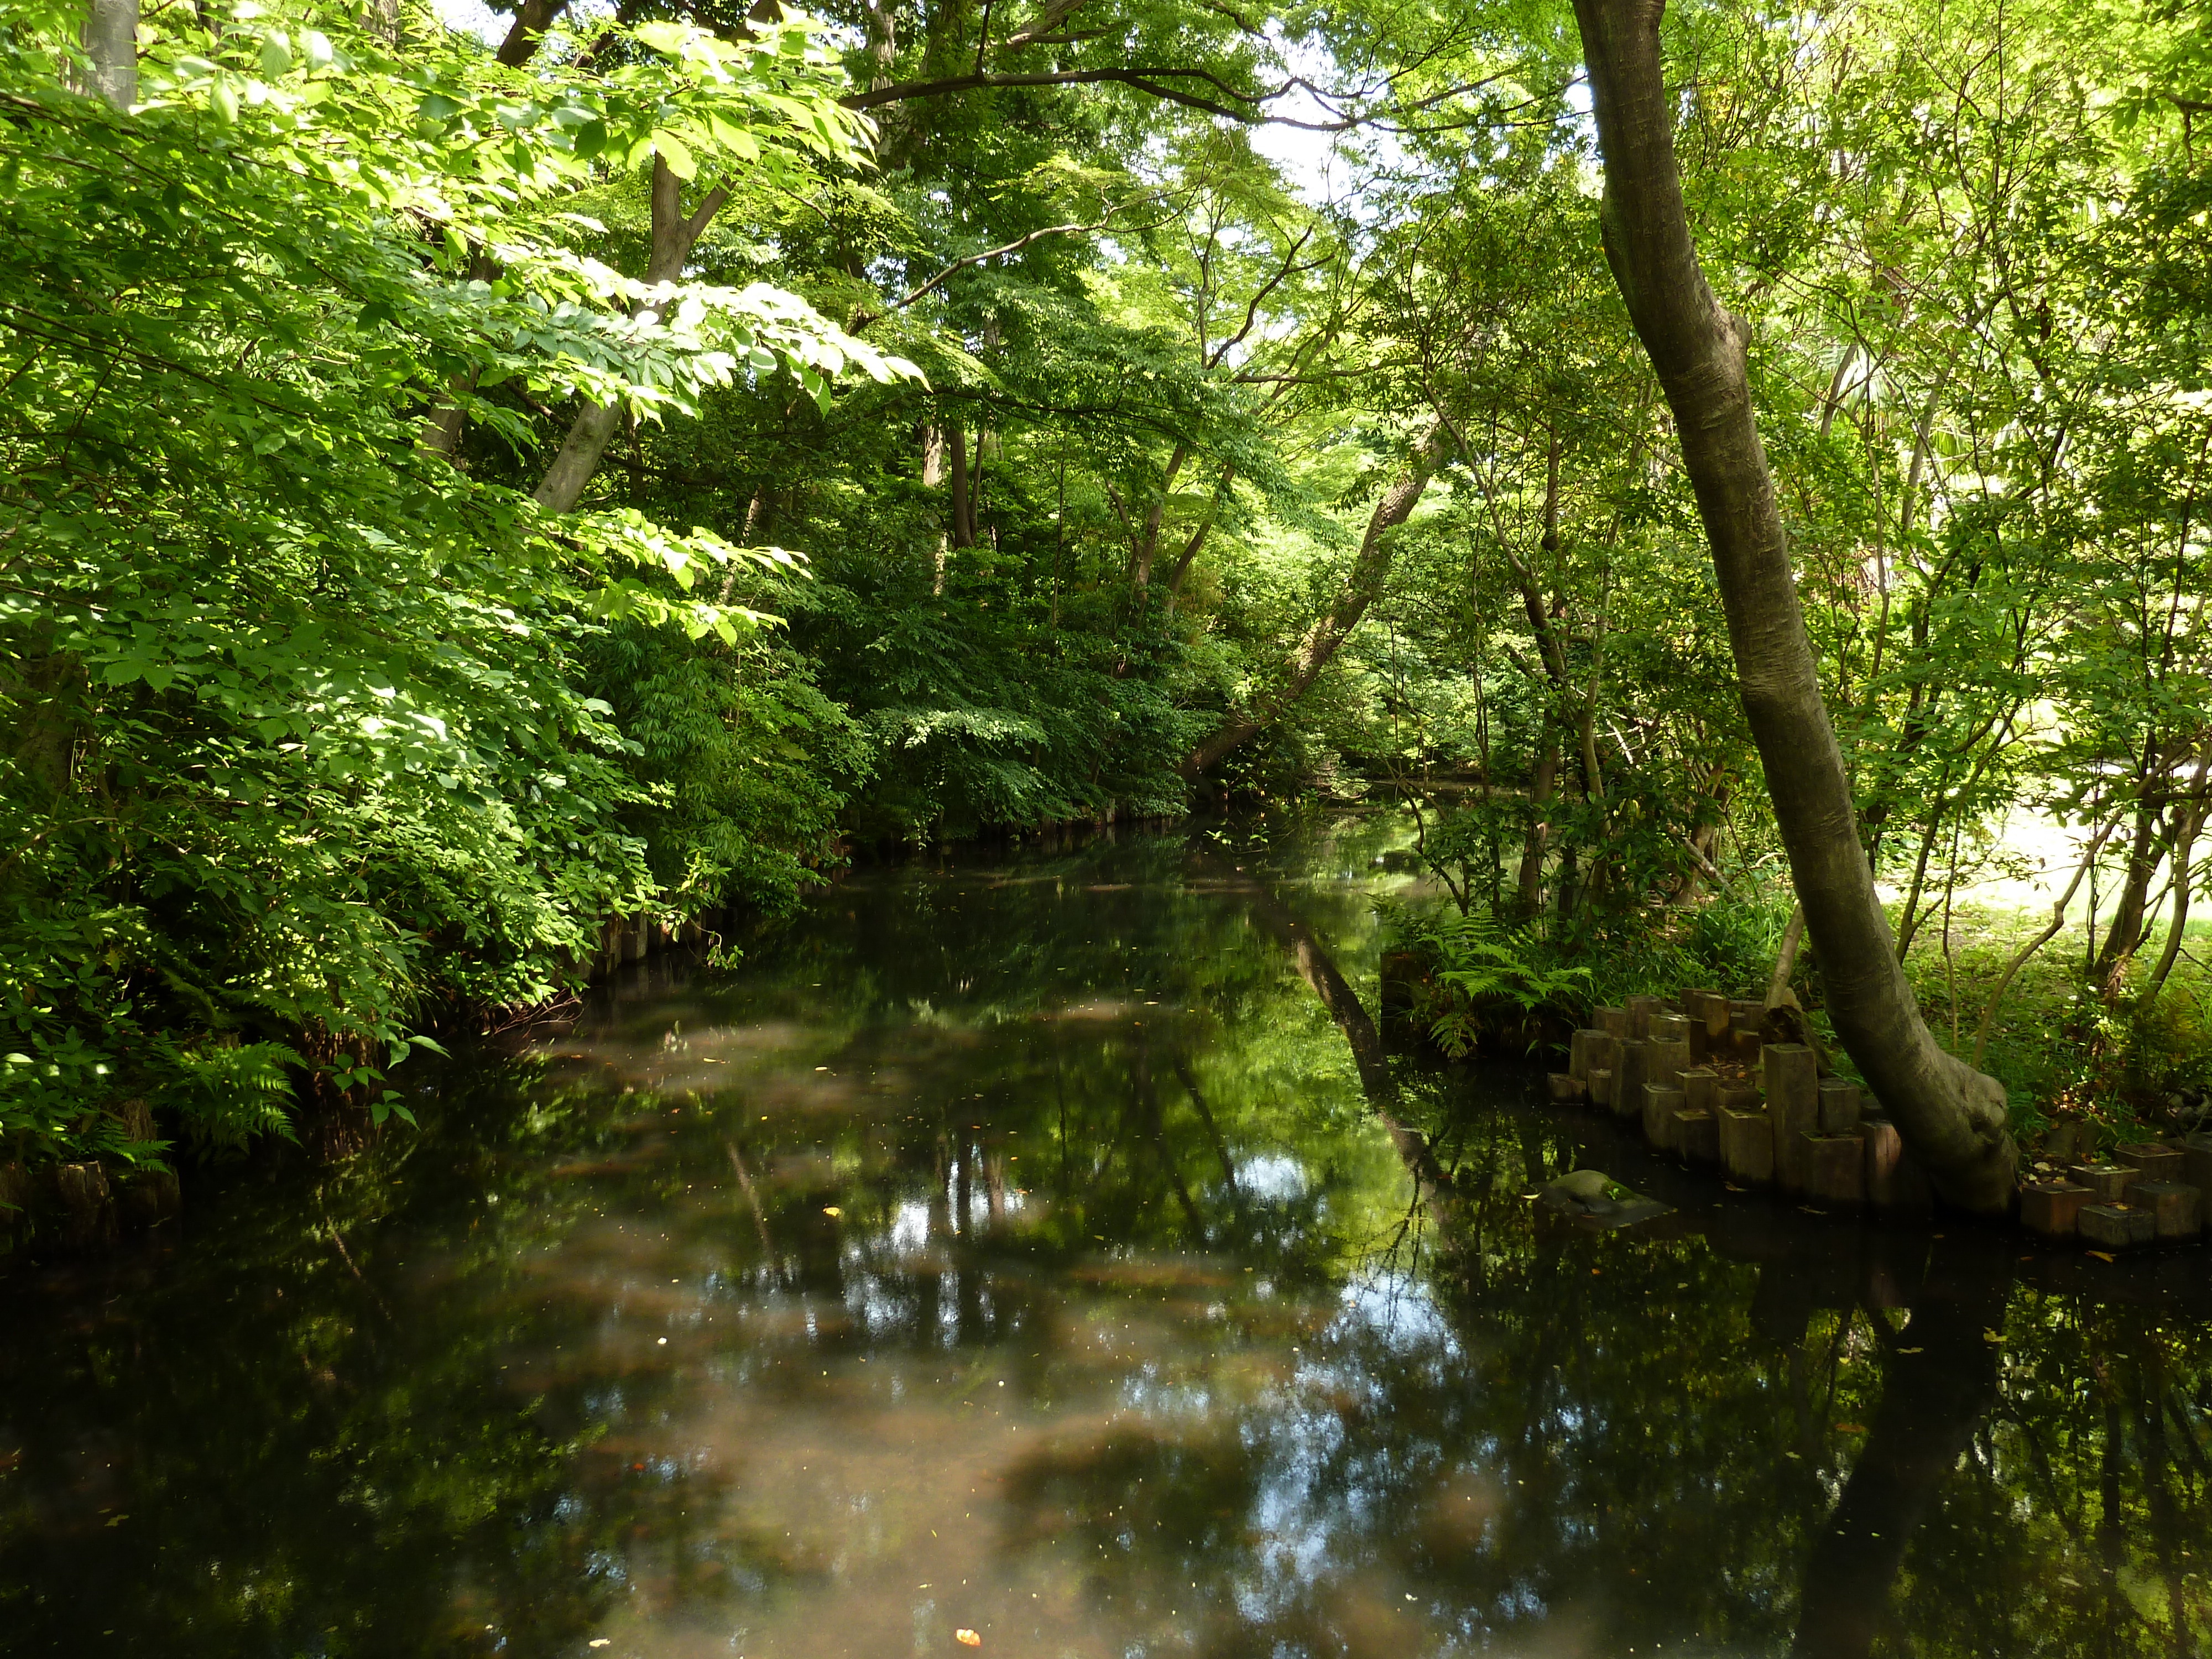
(1042, 1247)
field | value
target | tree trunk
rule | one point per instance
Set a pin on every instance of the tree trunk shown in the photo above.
(1529, 882)
(111, 40)
(2146, 856)
(1361, 585)
(963, 508)
(1951, 1115)
(674, 236)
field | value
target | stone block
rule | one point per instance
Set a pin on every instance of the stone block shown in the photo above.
(2117, 1226)
(1701, 1088)
(1581, 1048)
(1747, 1147)
(1745, 1045)
(2151, 1160)
(1697, 1136)
(1600, 1086)
(1566, 1088)
(1640, 1010)
(1667, 1028)
(2108, 1181)
(1660, 1102)
(1791, 1075)
(1835, 1169)
(1839, 1106)
(1612, 1020)
(2053, 1208)
(1709, 1008)
(2175, 1210)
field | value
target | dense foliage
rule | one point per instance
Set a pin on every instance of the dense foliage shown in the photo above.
(456, 494)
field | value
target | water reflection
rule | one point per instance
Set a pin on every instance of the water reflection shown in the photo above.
(1051, 1250)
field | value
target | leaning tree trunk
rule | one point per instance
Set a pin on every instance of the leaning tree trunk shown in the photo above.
(1950, 1115)
(1361, 585)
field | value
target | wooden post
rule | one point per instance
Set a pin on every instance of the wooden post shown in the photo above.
(1747, 1147)
(2151, 1161)
(1566, 1087)
(2053, 1208)
(1660, 1102)
(1835, 1168)
(1628, 1077)
(2108, 1181)
(1697, 1136)
(1701, 1086)
(1640, 1010)
(1667, 1028)
(1792, 1079)
(2177, 1211)
(2196, 1161)
(1601, 1085)
(1839, 1106)
(1894, 1181)
(1612, 1020)
(2117, 1226)
(1580, 1049)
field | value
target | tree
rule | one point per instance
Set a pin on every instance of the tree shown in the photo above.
(1952, 1116)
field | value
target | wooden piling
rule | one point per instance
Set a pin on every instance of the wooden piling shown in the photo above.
(2108, 1181)
(1581, 1048)
(1894, 1181)
(2177, 1210)
(2117, 1226)
(1660, 1102)
(1834, 1168)
(1839, 1106)
(1628, 1077)
(1640, 1010)
(1566, 1088)
(1747, 1146)
(2053, 1208)
(2151, 1160)
(1791, 1075)
(1698, 1135)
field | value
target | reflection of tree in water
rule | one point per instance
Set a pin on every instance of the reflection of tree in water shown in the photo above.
(1589, 1441)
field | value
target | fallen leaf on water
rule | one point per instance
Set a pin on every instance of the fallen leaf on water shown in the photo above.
(967, 1639)
(1850, 1428)
(2101, 1255)
(831, 1209)
(601, 1642)
(1912, 1350)
(1991, 1336)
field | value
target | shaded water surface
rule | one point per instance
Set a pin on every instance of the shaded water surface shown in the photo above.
(1045, 1250)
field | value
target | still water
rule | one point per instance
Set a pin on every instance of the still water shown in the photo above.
(1044, 1249)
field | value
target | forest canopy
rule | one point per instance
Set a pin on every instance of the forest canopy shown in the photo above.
(462, 490)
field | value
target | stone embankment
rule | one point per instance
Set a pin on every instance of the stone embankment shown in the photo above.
(1699, 1075)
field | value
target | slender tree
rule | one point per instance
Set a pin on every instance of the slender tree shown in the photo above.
(1951, 1115)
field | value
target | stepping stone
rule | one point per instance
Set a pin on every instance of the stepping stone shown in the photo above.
(2117, 1226)
(1601, 1085)
(2053, 1208)
(1565, 1087)
(1661, 1103)
(1583, 1051)
(2177, 1210)
(2108, 1181)
(2196, 1161)
(2151, 1160)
